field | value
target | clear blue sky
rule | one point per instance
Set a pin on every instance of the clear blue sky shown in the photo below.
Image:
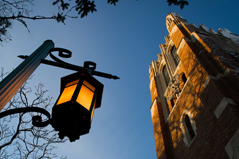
(122, 40)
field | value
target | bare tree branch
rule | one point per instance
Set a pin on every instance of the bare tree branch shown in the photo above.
(15, 135)
(18, 10)
(18, 138)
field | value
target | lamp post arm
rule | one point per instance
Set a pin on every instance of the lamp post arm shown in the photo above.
(105, 75)
(11, 84)
(74, 67)
(57, 64)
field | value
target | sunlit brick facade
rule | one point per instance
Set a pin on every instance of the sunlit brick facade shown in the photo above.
(194, 87)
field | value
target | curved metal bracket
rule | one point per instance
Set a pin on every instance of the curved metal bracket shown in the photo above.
(89, 66)
(62, 53)
(36, 120)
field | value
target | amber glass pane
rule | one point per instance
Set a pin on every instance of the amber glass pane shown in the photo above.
(67, 94)
(89, 85)
(71, 83)
(85, 97)
(92, 113)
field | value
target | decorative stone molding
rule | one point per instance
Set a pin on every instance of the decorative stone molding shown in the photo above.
(232, 147)
(219, 75)
(183, 42)
(173, 87)
(220, 108)
(206, 82)
(154, 104)
(228, 70)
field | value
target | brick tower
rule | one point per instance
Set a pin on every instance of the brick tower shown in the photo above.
(194, 87)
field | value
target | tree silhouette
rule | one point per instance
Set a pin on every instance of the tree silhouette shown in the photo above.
(18, 137)
(181, 3)
(18, 10)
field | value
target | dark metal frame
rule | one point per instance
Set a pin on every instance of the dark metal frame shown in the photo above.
(89, 67)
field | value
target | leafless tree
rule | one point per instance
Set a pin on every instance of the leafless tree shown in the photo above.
(18, 137)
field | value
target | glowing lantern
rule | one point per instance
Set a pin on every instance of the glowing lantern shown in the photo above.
(73, 112)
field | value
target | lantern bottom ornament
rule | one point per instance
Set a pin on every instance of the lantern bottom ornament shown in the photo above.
(70, 121)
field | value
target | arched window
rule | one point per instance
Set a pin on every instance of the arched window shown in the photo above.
(175, 55)
(166, 75)
(172, 102)
(183, 81)
(189, 127)
(184, 78)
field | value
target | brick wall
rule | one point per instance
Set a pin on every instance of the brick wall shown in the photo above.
(211, 81)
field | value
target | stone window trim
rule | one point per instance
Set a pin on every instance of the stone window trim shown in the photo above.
(219, 75)
(177, 68)
(174, 55)
(157, 99)
(171, 60)
(166, 75)
(163, 104)
(184, 130)
(161, 76)
(233, 53)
(222, 106)
(232, 146)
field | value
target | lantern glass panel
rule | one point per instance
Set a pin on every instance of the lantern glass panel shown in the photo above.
(67, 92)
(85, 95)
(89, 85)
(92, 113)
(73, 82)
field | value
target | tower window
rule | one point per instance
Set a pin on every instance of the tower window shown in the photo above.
(233, 53)
(175, 55)
(172, 102)
(166, 75)
(184, 78)
(189, 127)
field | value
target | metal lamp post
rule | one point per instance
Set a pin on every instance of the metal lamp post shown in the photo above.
(11, 84)
(80, 92)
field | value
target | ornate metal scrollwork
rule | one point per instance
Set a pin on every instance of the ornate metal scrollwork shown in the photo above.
(62, 53)
(89, 66)
(36, 119)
